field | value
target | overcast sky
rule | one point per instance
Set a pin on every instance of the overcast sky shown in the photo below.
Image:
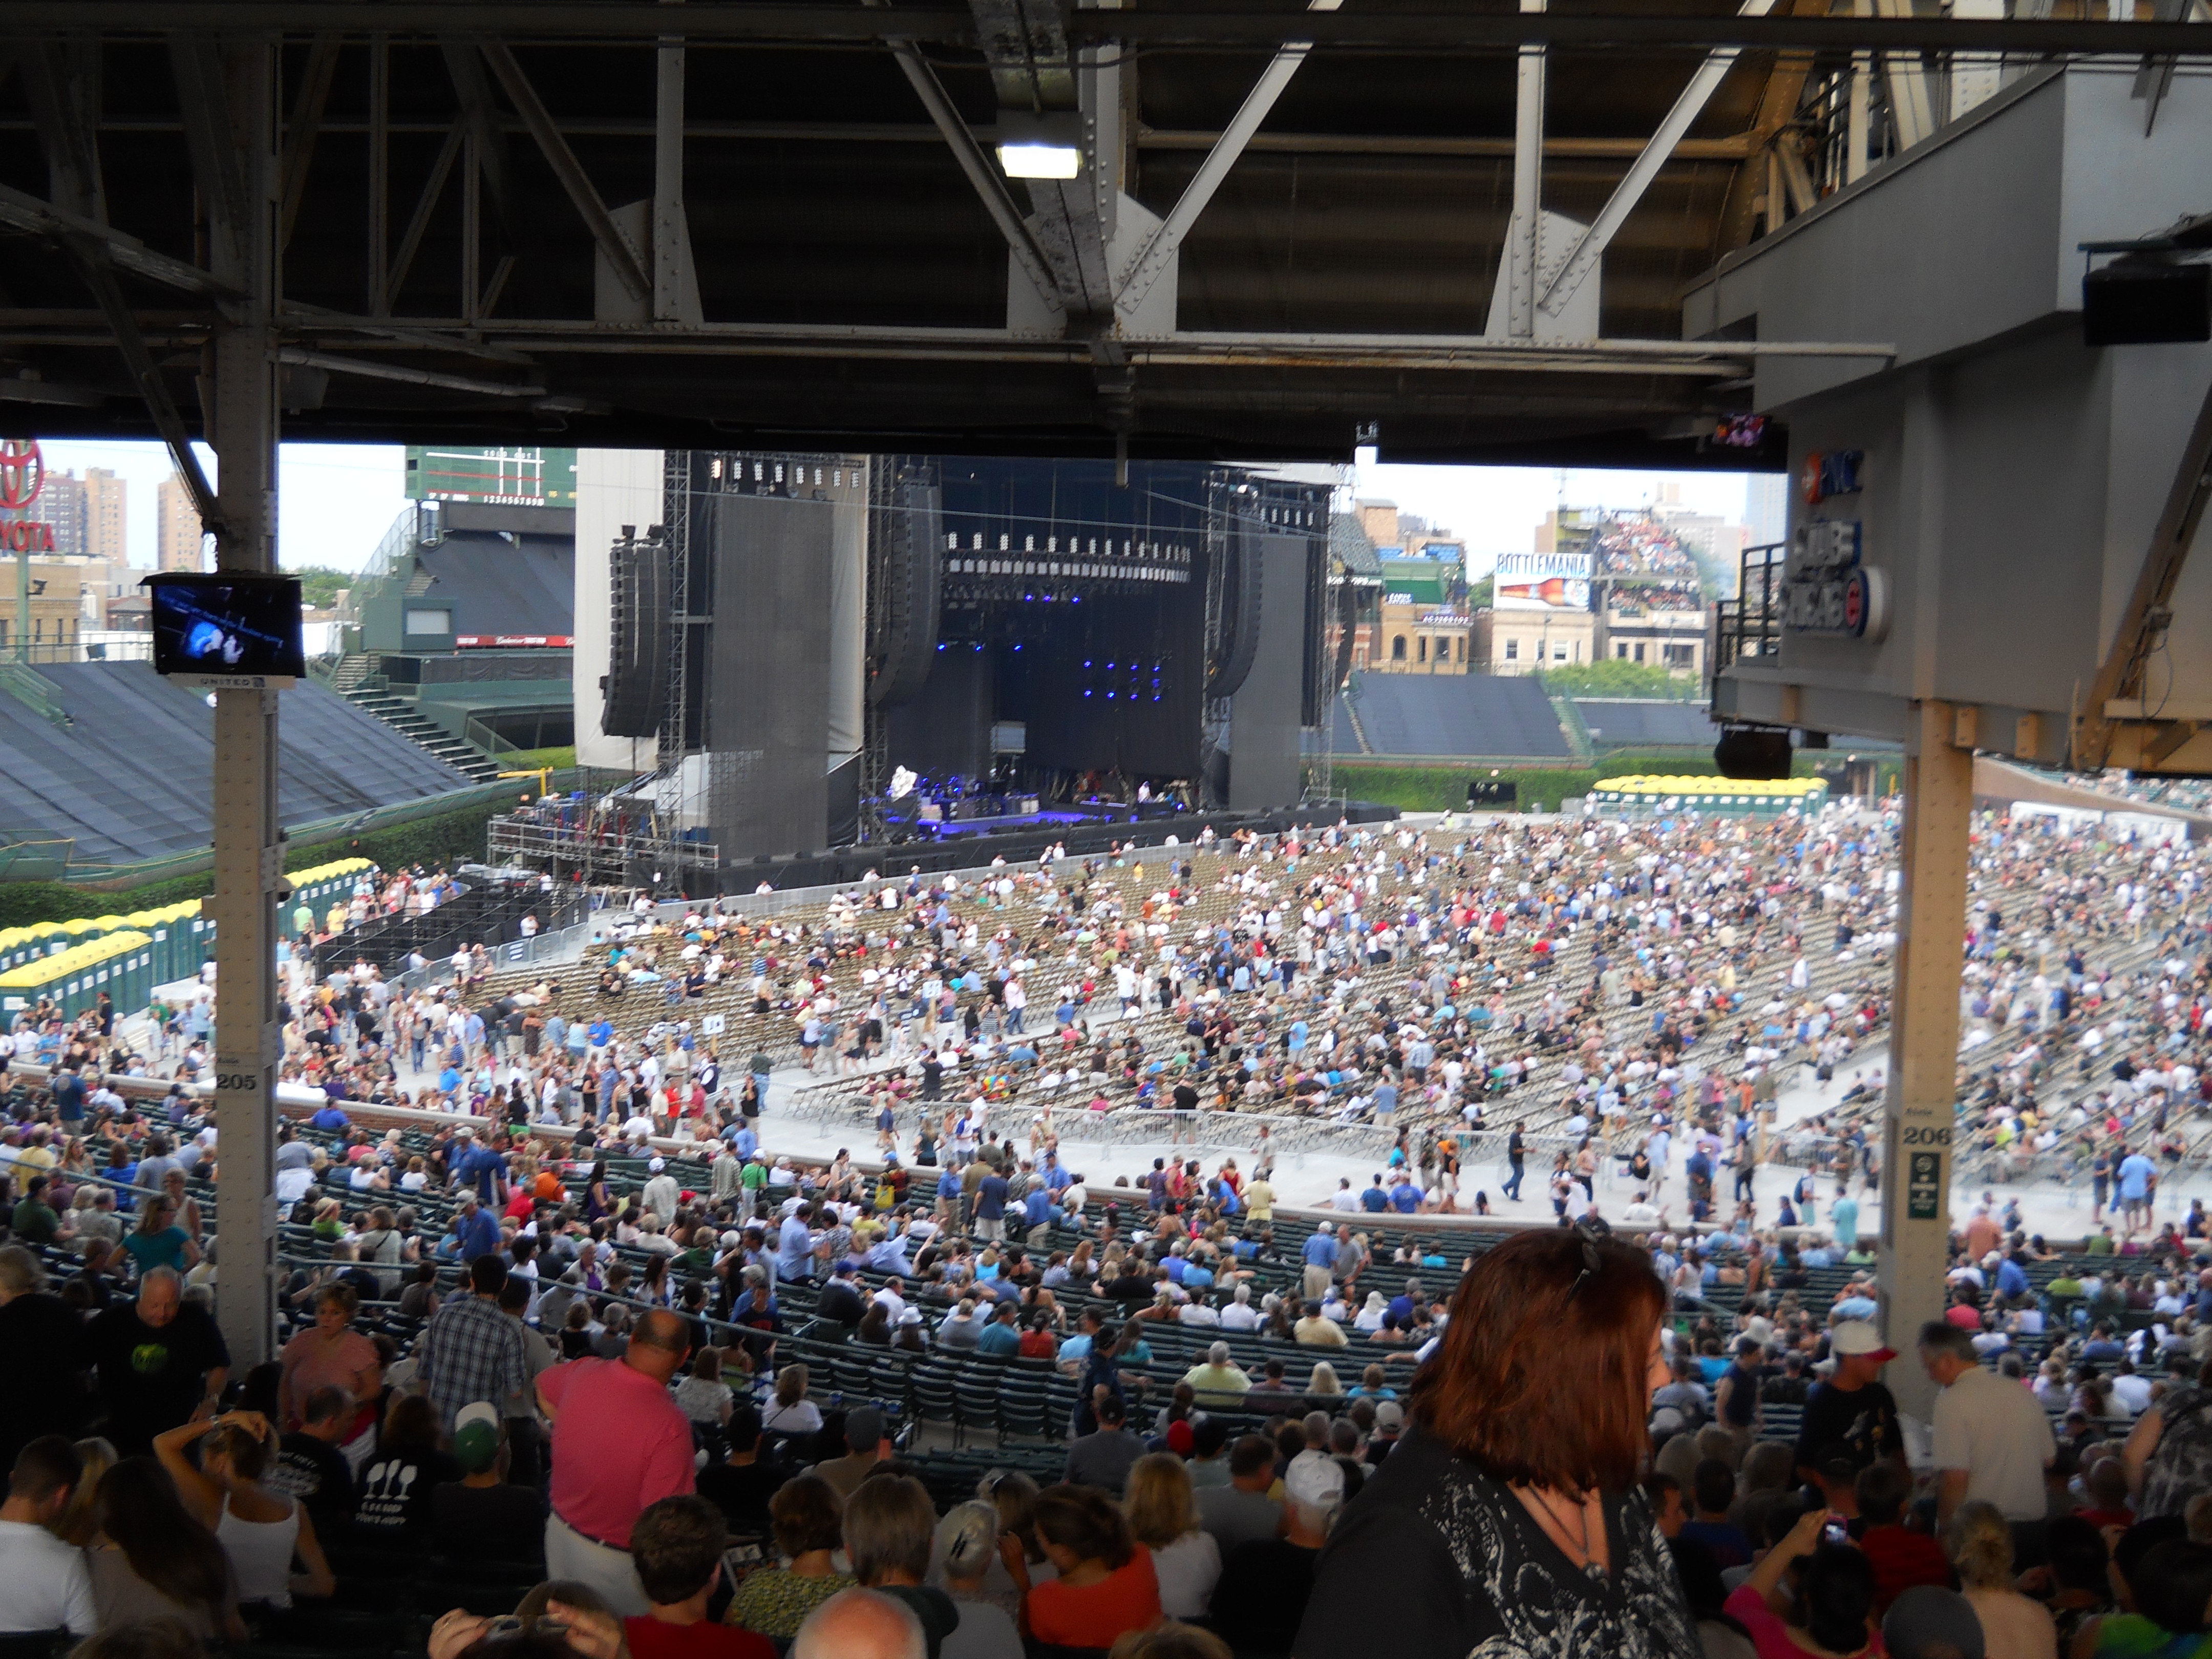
(336, 501)
(1496, 509)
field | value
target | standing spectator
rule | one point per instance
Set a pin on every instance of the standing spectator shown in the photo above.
(310, 1466)
(1515, 1510)
(42, 1350)
(620, 1444)
(44, 1585)
(161, 1362)
(471, 1350)
(330, 1353)
(1266, 1583)
(1992, 1440)
(1320, 1255)
(1851, 1408)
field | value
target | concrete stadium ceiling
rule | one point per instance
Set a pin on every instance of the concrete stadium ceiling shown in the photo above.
(718, 223)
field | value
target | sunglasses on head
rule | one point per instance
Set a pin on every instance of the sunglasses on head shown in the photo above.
(1593, 1232)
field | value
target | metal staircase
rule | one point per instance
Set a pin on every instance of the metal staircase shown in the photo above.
(354, 679)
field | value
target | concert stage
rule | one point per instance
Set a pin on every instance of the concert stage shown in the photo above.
(966, 845)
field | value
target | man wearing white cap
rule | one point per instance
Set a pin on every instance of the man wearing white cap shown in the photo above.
(1851, 1408)
(1264, 1585)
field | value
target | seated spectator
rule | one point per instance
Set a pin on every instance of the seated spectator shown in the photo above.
(1102, 1458)
(2080, 1574)
(480, 1516)
(262, 1532)
(2164, 1583)
(310, 1466)
(678, 1545)
(1219, 1382)
(1242, 1512)
(740, 1485)
(154, 1560)
(1712, 1489)
(1266, 1583)
(706, 1401)
(967, 1547)
(1164, 1518)
(1928, 1622)
(1900, 1557)
(44, 1583)
(1106, 1584)
(889, 1525)
(807, 1516)
(393, 1506)
(1829, 1610)
(792, 1412)
(1979, 1542)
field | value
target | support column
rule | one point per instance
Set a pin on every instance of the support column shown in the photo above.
(248, 851)
(1921, 1101)
(1524, 233)
(670, 239)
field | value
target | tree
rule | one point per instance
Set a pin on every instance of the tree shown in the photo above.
(320, 585)
(1613, 677)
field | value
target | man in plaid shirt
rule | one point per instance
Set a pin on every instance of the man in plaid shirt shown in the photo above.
(471, 1350)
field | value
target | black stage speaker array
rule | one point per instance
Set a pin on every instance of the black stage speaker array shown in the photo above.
(768, 676)
(911, 570)
(636, 684)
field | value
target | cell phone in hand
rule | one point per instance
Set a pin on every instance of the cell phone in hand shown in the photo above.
(1836, 1532)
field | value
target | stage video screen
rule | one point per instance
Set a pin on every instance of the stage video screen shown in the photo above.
(221, 623)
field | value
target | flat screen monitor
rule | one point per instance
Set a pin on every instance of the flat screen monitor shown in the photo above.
(227, 624)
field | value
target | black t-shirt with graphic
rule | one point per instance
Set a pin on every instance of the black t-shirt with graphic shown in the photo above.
(1864, 1419)
(317, 1473)
(152, 1377)
(393, 1502)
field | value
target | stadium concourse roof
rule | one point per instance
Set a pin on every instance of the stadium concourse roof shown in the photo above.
(125, 780)
(502, 220)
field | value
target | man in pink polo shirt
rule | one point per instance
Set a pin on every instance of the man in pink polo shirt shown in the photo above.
(620, 1444)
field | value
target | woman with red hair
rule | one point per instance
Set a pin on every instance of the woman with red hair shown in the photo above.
(1508, 1522)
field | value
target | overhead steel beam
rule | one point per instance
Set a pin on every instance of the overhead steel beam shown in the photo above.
(403, 374)
(1136, 280)
(1430, 29)
(672, 238)
(24, 212)
(419, 222)
(989, 185)
(1523, 233)
(210, 141)
(91, 261)
(1591, 244)
(1912, 101)
(1777, 107)
(2146, 615)
(621, 256)
(55, 89)
(303, 129)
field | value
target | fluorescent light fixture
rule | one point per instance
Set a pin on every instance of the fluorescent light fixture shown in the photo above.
(1046, 144)
(1038, 161)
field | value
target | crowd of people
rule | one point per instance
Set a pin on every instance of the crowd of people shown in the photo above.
(593, 1283)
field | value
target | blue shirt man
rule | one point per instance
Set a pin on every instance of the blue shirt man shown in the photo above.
(481, 1168)
(2135, 1174)
(1374, 1200)
(1844, 1220)
(1055, 1174)
(747, 1142)
(991, 1199)
(1036, 1208)
(1321, 1251)
(794, 1248)
(1386, 1098)
(478, 1233)
(329, 1118)
(1405, 1198)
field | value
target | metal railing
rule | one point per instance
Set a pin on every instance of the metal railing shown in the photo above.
(27, 685)
(1749, 626)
